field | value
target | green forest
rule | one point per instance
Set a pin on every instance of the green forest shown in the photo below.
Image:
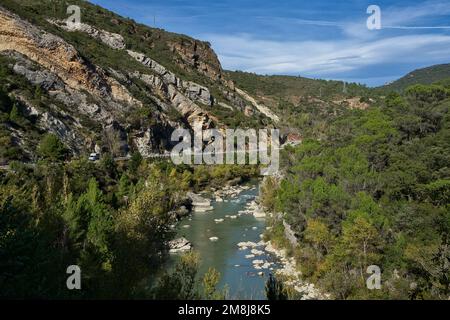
(112, 220)
(374, 191)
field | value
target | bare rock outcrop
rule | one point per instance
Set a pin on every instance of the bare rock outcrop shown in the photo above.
(113, 40)
(59, 57)
(261, 108)
(197, 92)
(170, 87)
(199, 56)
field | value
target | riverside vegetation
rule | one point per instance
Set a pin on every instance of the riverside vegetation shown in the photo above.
(109, 219)
(375, 190)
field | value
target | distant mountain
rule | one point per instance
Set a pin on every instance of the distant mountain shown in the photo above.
(304, 105)
(427, 75)
(288, 86)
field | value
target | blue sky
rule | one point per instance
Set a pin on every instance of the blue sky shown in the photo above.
(317, 39)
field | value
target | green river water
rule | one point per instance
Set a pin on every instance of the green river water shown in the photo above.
(237, 271)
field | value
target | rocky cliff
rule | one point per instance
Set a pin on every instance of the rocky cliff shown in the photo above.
(117, 86)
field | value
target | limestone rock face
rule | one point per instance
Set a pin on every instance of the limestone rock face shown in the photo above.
(59, 57)
(91, 103)
(235, 100)
(43, 78)
(171, 88)
(261, 108)
(65, 124)
(199, 93)
(144, 143)
(67, 134)
(168, 76)
(113, 40)
(199, 55)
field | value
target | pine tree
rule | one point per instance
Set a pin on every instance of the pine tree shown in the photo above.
(275, 289)
(15, 115)
(124, 186)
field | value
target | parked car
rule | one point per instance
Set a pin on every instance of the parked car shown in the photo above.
(94, 157)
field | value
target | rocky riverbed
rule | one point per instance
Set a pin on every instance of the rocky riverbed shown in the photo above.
(228, 237)
(285, 267)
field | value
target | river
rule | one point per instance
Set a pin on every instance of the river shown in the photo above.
(244, 281)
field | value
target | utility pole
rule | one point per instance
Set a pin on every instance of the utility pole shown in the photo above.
(344, 90)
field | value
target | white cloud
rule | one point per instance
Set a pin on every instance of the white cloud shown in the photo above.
(398, 16)
(357, 48)
(322, 58)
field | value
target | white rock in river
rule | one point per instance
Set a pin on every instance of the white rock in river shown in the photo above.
(186, 226)
(254, 228)
(233, 217)
(257, 252)
(248, 244)
(218, 220)
(179, 245)
(249, 256)
(203, 209)
(244, 244)
(259, 214)
(213, 239)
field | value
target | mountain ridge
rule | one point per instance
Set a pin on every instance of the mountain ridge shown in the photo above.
(426, 75)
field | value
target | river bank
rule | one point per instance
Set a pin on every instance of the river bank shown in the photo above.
(292, 277)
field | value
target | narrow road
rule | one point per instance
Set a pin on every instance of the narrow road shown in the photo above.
(166, 155)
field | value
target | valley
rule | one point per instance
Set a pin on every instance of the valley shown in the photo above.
(363, 177)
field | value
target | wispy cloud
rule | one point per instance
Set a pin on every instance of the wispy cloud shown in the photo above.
(416, 27)
(305, 22)
(325, 58)
(323, 38)
(358, 52)
(417, 16)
